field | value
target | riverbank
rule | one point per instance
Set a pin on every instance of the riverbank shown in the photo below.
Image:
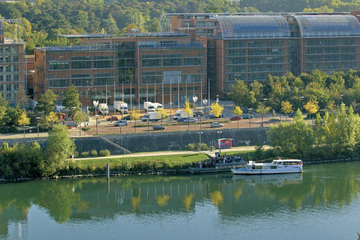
(154, 163)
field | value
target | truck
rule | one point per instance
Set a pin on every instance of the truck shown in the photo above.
(181, 114)
(158, 106)
(149, 107)
(151, 116)
(103, 108)
(121, 107)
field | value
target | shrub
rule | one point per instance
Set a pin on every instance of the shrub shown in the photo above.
(76, 154)
(93, 153)
(104, 153)
(190, 147)
(84, 154)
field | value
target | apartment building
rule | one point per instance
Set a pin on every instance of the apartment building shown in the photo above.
(12, 63)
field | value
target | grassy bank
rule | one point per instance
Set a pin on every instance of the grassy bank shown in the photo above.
(132, 164)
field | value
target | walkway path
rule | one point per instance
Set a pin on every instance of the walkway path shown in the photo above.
(148, 154)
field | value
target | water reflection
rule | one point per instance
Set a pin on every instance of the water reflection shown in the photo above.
(233, 196)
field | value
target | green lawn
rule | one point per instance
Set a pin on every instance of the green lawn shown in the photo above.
(180, 161)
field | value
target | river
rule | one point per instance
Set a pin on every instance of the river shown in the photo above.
(321, 203)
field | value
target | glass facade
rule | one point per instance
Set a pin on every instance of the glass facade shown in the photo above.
(254, 26)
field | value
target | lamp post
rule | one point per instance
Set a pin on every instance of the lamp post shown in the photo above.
(205, 101)
(171, 103)
(200, 133)
(37, 124)
(250, 109)
(96, 116)
(219, 132)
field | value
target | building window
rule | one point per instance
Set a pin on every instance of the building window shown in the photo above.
(58, 65)
(81, 62)
(103, 62)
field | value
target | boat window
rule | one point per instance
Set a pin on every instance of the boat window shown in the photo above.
(273, 167)
(259, 167)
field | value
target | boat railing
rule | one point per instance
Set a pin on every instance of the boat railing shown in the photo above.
(269, 160)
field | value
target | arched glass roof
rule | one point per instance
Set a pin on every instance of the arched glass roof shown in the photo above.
(328, 25)
(254, 26)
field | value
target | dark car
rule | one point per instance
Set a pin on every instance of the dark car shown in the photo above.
(235, 118)
(198, 113)
(247, 116)
(157, 127)
(211, 115)
(292, 114)
(113, 118)
(126, 117)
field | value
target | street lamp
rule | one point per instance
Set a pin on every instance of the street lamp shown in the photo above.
(37, 124)
(219, 132)
(250, 109)
(96, 116)
(205, 101)
(171, 103)
(200, 133)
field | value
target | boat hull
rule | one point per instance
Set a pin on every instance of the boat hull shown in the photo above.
(244, 171)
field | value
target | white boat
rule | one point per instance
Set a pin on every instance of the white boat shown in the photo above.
(275, 167)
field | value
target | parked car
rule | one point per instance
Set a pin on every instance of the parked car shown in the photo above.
(292, 114)
(198, 113)
(126, 117)
(235, 118)
(211, 115)
(113, 118)
(216, 124)
(71, 124)
(121, 123)
(189, 120)
(157, 127)
(247, 116)
(181, 119)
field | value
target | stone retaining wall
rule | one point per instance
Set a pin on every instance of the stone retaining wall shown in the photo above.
(160, 141)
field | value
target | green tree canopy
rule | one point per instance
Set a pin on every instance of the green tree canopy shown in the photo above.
(46, 102)
(71, 101)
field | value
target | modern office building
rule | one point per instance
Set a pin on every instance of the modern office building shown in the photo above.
(157, 67)
(197, 52)
(12, 63)
(252, 46)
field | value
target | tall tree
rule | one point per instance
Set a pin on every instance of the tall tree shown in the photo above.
(216, 109)
(23, 120)
(134, 115)
(59, 146)
(46, 102)
(3, 115)
(71, 101)
(262, 109)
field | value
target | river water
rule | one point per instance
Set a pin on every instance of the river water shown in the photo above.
(321, 203)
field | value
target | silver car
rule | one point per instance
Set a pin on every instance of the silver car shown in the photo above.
(121, 123)
(216, 124)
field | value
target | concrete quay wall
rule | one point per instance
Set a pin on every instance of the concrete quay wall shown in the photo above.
(159, 141)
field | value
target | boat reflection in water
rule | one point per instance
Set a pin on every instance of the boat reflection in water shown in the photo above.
(275, 179)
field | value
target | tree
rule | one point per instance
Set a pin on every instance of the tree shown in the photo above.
(21, 98)
(312, 107)
(51, 118)
(239, 93)
(59, 146)
(237, 111)
(79, 117)
(262, 109)
(46, 102)
(188, 110)
(286, 107)
(216, 109)
(3, 112)
(23, 120)
(134, 115)
(292, 138)
(163, 114)
(71, 101)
